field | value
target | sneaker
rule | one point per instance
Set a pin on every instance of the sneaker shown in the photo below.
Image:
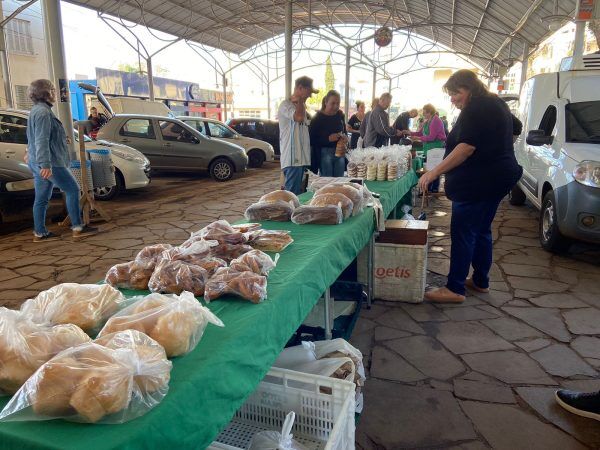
(85, 231)
(581, 403)
(50, 236)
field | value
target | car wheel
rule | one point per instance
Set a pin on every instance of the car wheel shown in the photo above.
(221, 169)
(108, 193)
(550, 236)
(256, 158)
(517, 196)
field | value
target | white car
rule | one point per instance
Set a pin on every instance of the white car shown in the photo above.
(258, 151)
(132, 168)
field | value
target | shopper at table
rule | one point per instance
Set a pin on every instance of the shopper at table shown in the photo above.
(402, 123)
(328, 131)
(48, 158)
(480, 168)
(355, 122)
(379, 131)
(363, 125)
(294, 139)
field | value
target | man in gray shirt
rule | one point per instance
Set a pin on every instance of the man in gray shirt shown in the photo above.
(379, 131)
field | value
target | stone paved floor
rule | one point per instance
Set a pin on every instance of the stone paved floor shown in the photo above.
(473, 376)
(483, 374)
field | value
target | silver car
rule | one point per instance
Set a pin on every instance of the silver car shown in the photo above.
(172, 145)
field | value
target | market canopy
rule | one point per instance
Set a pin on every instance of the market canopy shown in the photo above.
(480, 30)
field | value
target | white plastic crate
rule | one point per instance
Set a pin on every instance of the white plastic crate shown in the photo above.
(324, 410)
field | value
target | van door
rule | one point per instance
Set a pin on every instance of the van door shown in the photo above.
(541, 157)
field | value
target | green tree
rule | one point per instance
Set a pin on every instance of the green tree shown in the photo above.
(329, 76)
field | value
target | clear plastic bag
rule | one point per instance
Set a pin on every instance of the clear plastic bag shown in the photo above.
(174, 277)
(270, 240)
(25, 346)
(175, 322)
(334, 199)
(222, 232)
(247, 285)
(254, 261)
(320, 215)
(86, 305)
(151, 253)
(276, 211)
(131, 275)
(229, 252)
(274, 440)
(298, 354)
(193, 250)
(88, 383)
(247, 227)
(281, 196)
(406, 210)
(351, 190)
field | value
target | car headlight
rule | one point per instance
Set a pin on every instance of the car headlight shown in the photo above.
(129, 156)
(588, 173)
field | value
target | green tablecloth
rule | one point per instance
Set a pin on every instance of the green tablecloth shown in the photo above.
(209, 384)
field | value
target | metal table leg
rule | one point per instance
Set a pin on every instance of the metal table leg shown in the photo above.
(370, 280)
(328, 314)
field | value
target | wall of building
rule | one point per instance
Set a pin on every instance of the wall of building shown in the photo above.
(25, 42)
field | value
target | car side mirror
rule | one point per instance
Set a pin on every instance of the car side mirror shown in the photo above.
(538, 137)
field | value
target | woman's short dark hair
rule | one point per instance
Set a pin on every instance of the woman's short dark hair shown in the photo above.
(468, 80)
(39, 90)
(331, 93)
(359, 103)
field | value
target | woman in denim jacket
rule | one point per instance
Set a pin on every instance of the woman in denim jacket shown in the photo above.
(48, 159)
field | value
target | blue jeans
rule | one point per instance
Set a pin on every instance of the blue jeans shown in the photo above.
(331, 165)
(471, 234)
(293, 179)
(63, 179)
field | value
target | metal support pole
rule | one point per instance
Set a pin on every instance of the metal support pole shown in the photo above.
(224, 97)
(390, 85)
(288, 49)
(5, 67)
(374, 82)
(329, 306)
(58, 68)
(370, 263)
(268, 88)
(150, 79)
(579, 39)
(347, 86)
(524, 65)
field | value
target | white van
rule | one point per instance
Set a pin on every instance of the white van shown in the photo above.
(560, 153)
(128, 105)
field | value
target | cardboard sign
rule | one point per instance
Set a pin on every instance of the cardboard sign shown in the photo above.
(434, 158)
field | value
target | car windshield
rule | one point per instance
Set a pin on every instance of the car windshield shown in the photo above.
(583, 122)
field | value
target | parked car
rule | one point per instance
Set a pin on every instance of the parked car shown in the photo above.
(560, 153)
(258, 151)
(172, 145)
(16, 186)
(265, 130)
(132, 169)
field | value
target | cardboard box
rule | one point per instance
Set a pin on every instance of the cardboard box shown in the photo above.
(407, 232)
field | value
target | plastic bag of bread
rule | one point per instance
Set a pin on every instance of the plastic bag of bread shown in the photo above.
(221, 232)
(351, 190)
(86, 305)
(151, 253)
(191, 251)
(321, 215)
(276, 211)
(130, 275)
(174, 277)
(88, 383)
(247, 285)
(334, 199)
(25, 346)
(211, 264)
(228, 252)
(270, 240)
(154, 368)
(254, 261)
(281, 196)
(247, 227)
(177, 322)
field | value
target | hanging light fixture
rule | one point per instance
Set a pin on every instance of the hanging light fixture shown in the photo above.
(556, 20)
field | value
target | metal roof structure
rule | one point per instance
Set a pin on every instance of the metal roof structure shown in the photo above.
(487, 32)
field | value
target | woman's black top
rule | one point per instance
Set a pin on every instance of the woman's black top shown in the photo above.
(354, 123)
(492, 170)
(322, 126)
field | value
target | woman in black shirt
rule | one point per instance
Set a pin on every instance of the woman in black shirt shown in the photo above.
(480, 168)
(326, 129)
(354, 123)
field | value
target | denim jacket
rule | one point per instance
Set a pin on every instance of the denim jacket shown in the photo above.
(46, 138)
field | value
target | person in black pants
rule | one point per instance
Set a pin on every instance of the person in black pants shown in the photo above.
(402, 123)
(354, 123)
(480, 168)
(326, 129)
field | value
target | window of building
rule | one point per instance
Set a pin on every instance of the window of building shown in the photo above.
(22, 99)
(249, 113)
(18, 36)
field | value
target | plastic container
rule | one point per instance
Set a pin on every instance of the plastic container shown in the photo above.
(103, 172)
(324, 409)
(75, 168)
